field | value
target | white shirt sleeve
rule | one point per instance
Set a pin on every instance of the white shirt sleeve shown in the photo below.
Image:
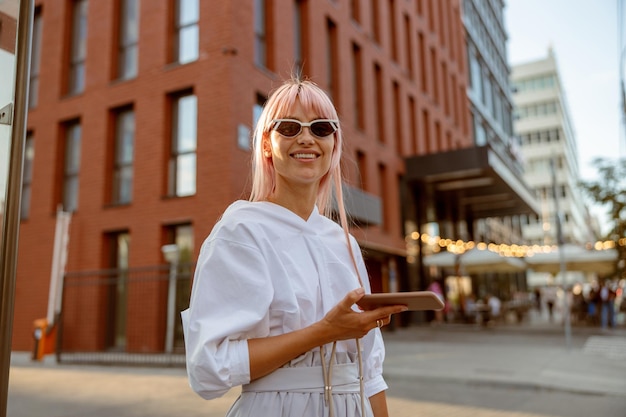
(229, 304)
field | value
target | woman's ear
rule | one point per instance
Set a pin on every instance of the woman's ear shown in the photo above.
(267, 148)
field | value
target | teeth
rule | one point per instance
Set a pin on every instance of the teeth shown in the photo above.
(304, 156)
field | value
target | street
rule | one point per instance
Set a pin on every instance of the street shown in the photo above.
(444, 371)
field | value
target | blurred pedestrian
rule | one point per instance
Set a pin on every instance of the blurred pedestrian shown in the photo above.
(537, 293)
(607, 305)
(549, 294)
(495, 305)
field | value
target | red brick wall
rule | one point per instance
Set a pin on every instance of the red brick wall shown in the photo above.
(225, 81)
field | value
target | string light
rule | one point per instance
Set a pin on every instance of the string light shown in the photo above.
(459, 246)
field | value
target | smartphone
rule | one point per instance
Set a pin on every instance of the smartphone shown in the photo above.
(414, 300)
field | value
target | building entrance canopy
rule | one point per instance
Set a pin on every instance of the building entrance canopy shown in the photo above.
(475, 181)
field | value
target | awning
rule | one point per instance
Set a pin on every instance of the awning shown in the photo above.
(475, 180)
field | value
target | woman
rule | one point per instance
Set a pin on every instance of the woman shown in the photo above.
(274, 300)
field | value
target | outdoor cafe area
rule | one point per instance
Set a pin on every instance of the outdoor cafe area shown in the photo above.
(483, 286)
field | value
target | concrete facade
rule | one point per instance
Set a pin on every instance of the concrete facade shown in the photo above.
(544, 125)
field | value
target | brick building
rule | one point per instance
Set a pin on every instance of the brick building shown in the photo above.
(140, 120)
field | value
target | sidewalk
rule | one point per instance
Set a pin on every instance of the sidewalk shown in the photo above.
(534, 355)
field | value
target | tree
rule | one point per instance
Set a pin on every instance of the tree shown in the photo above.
(609, 191)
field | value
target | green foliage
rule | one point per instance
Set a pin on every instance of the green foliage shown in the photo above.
(609, 192)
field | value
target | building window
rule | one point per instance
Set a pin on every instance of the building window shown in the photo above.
(362, 166)
(124, 147)
(397, 111)
(380, 102)
(408, 43)
(260, 34)
(426, 123)
(355, 10)
(118, 247)
(421, 45)
(298, 54)
(128, 39)
(480, 135)
(434, 72)
(475, 76)
(392, 30)
(258, 108)
(35, 59)
(186, 31)
(444, 93)
(357, 87)
(181, 235)
(333, 60)
(182, 163)
(383, 192)
(375, 23)
(78, 48)
(71, 165)
(27, 180)
(413, 122)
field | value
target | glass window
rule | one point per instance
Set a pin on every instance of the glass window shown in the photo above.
(375, 23)
(78, 48)
(128, 39)
(362, 166)
(123, 156)
(182, 169)
(333, 60)
(355, 10)
(260, 45)
(476, 77)
(71, 166)
(257, 109)
(35, 59)
(480, 136)
(357, 86)
(117, 311)
(27, 179)
(298, 58)
(186, 31)
(181, 235)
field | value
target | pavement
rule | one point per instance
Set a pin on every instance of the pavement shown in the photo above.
(537, 354)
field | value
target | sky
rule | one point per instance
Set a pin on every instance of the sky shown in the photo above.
(584, 35)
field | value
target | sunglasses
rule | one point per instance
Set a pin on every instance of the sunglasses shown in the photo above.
(290, 128)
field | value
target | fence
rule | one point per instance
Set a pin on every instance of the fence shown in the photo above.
(124, 316)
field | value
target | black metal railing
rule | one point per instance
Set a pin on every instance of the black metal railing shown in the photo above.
(120, 316)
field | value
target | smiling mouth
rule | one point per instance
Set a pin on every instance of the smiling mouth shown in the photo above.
(304, 155)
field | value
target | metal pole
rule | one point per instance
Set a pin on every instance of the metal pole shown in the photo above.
(171, 307)
(9, 238)
(560, 241)
(171, 253)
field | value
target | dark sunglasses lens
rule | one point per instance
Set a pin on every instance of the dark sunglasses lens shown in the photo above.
(288, 129)
(322, 129)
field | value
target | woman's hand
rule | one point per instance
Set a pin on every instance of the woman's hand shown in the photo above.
(342, 322)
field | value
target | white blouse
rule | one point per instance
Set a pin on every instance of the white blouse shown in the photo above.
(265, 271)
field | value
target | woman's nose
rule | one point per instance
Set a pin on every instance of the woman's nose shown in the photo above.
(305, 136)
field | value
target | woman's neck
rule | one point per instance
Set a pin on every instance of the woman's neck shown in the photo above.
(300, 201)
